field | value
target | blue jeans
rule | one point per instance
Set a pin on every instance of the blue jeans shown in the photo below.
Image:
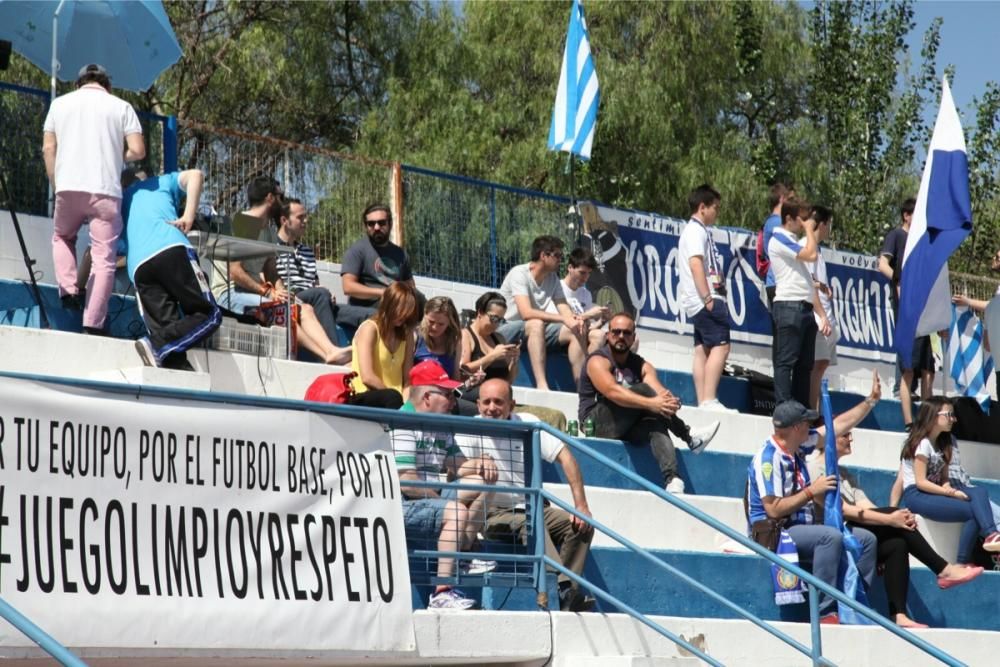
(793, 350)
(976, 512)
(821, 547)
(238, 302)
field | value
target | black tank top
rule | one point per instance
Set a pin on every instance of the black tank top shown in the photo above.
(497, 369)
(627, 374)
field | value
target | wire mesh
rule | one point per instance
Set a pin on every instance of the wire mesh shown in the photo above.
(336, 188)
(472, 231)
(449, 507)
(974, 287)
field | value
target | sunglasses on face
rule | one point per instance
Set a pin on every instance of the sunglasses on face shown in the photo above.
(494, 319)
(384, 222)
(446, 394)
(622, 332)
(947, 413)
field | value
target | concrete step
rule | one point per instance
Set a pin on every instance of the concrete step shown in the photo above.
(745, 434)
(163, 377)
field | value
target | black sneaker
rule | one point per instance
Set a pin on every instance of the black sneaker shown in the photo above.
(94, 331)
(71, 302)
(575, 600)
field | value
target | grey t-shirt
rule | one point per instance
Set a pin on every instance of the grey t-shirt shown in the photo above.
(255, 265)
(519, 282)
(375, 266)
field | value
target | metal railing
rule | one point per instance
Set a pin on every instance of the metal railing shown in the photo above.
(535, 490)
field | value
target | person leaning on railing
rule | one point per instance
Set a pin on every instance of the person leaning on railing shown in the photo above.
(507, 513)
(896, 532)
(382, 350)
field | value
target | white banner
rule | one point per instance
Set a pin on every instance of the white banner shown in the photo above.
(130, 521)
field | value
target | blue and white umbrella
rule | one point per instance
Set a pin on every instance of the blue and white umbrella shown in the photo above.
(132, 39)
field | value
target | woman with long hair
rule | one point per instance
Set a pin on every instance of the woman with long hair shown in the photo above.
(483, 349)
(926, 456)
(382, 351)
(439, 339)
(896, 532)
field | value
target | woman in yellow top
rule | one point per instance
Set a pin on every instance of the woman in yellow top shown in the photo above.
(383, 350)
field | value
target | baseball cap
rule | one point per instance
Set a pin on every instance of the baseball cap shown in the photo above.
(430, 372)
(791, 413)
(92, 68)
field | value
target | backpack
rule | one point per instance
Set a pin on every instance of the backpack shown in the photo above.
(763, 263)
(331, 388)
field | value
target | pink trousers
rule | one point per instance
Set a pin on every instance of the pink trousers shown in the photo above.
(71, 211)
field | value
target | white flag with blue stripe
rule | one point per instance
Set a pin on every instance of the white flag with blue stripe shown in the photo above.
(941, 221)
(971, 366)
(575, 113)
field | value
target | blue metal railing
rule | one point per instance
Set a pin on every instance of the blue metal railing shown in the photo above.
(815, 585)
(535, 488)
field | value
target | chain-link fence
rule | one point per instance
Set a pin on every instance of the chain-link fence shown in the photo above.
(335, 188)
(974, 287)
(472, 231)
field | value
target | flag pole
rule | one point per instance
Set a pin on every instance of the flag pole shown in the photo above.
(572, 198)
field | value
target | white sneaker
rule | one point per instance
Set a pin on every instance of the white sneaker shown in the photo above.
(675, 486)
(701, 437)
(450, 599)
(478, 566)
(715, 406)
(145, 349)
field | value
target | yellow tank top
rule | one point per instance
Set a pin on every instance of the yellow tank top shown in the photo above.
(388, 365)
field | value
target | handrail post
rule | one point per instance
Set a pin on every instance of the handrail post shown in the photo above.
(537, 520)
(44, 640)
(494, 249)
(817, 635)
(170, 145)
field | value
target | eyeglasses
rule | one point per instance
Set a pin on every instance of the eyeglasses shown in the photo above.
(494, 319)
(557, 254)
(947, 413)
(622, 332)
(384, 222)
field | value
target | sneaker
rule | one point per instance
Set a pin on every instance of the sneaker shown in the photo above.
(450, 599)
(71, 301)
(479, 566)
(830, 619)
(145, 350)
(575, 600)
(701, 437)
(675, 486)
(715, 406)
(992, 542)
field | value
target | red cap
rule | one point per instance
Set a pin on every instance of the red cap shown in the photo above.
(430, 372)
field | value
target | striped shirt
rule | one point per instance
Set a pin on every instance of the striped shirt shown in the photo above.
(298, 268)
(773, 472)
(426, 452)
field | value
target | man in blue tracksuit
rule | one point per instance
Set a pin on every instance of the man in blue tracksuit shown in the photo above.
(173, 294)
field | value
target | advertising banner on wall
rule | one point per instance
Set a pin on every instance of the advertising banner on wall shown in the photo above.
(638, 254)
(135, 521)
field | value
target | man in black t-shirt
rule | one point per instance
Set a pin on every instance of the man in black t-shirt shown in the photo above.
(921, 363)
(370, 265)
(619, 390)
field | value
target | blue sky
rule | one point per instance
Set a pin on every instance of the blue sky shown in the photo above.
(970, 40)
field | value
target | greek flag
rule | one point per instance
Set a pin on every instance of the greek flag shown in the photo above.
(941, 221)
(848, 578)
(575, 113)
(971, 366)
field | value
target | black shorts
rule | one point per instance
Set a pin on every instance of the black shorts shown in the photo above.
(922, 358)
(711, 327)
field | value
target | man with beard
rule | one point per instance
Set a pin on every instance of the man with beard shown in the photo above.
(370, 265)
(620, 392)
(246, 287)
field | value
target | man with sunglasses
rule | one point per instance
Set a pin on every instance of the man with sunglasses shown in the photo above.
(619, 390)
(533, 292)
(370, 265)
(451, 515)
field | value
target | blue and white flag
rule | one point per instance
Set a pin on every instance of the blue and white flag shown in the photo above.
(971, 366)
(575, 113)
(941, 221)
(848, 578)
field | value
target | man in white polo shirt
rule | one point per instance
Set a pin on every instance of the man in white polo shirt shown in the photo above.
(702, 293)
(84, 144)
(794, 345)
